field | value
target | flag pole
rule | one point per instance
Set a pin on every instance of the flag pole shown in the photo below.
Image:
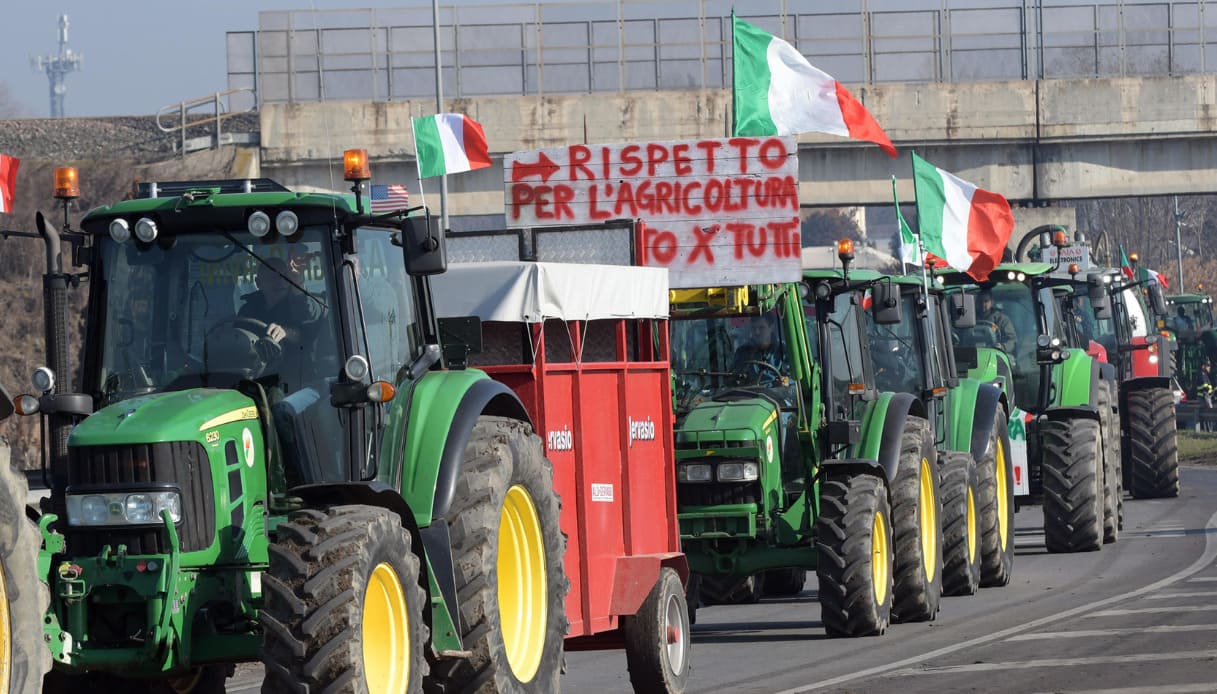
(439, 108)
(418, 168)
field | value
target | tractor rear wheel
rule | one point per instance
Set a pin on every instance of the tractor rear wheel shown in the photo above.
(1113, 502)
(995, 472)
(916, 528)
(507, 551)
(785, 582)
(960, 524)
(344, 607)
(24, 658)
(854, 563)
(1073, 485)
(1153, 449)
(657, 638)
(730, 590)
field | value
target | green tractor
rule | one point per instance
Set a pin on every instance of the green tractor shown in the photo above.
(1190, 318)
(303, 486)
(23, 597)
(1064, 423)
(789, 459)
(912, 349)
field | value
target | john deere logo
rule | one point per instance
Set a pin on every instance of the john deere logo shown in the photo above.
(247, 443)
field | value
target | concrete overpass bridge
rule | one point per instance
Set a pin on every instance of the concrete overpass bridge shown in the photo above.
(1035, 141)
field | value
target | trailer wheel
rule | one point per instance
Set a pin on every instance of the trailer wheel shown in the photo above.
(854, 563)
(960, 524)
(916, 529)
(1153, 448)
(731, 590)
(785, 582)
(1113, 504)
(344, 608)
(507, 551)
(995, 472)
(24, 598)
(1073, 485)
(657, 638)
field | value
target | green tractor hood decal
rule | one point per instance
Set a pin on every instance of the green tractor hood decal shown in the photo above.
(177, 416)
(712, 424)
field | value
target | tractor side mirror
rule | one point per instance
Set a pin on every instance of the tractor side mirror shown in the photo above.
(6, 404)
(1157, 301)
(963, 310)
(425, 250)
(1100, 300)
(460, 337)
(885, 304)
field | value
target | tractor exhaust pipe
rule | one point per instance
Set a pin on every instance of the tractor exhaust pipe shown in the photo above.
(55, 320)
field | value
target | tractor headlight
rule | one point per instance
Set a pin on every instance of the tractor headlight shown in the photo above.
(120, 231)
(123, 508)
(258, 224)
(693, 472)
(738, 472)
(287, 223)
(145, 229)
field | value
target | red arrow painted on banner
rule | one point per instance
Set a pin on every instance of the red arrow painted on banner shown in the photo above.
(544, 167)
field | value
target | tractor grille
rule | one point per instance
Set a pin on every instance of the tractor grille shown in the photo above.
(183, 463)
(717, 493)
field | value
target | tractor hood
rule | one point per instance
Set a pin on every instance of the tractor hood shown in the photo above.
(176, 416)
(714, 423)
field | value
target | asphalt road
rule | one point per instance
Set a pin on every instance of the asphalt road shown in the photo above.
(1138, 616)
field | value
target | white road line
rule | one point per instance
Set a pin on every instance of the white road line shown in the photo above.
(1112, 632)
(1203, 579)
(1194, 594)
(1151, 610)
(1157, 689)
(1056, 662)
(1202, 562)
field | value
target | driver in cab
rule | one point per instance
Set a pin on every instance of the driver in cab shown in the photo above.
(285, 309)
(762, 360)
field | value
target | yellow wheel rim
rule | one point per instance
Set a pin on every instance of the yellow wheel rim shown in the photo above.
(878, 558)
(6, 640)
(523, 589)
(971, 520)
(1003, 503)
(929, 519)
(386, 632)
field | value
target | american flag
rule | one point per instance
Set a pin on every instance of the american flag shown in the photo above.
(389, 198)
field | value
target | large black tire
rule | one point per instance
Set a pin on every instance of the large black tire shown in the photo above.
(1153, 454)
(332, 572)
(657, 638)
(960, 524)
(729, 590)
(1072, 457)
(854, 563)
(24, 657)
(506, 510)
(995, 473)
(785, 582)
(916, 528)
(1113, 503)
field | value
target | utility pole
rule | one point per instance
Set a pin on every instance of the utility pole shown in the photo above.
(57, 68)
(1178, 241)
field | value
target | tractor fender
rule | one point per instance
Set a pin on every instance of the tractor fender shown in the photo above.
(1060, 414)
(1145, 383)
(853, 466)
(1079, 380)
(988, 398)
(883, 427)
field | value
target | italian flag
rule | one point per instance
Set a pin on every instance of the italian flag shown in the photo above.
(8, 182)
(966, 226)
(449, 143)
(1125, 264)
(775, 91)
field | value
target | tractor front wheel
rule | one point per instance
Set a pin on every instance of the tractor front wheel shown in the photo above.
(916, 528)
(1113, 502)
(24, 658)
(1073, 485)
(657, 638)
(785, 582)
(995, 472)
(960, 524)
(730, 590)
(507, 551)
(854, 547)
(1153, 456)
(344, 607)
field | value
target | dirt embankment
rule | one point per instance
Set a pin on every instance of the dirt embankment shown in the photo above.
(111, 155)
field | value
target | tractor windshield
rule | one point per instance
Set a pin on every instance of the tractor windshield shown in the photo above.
(897, 352)
(214, 310)
(725, 356)
(1007, 319)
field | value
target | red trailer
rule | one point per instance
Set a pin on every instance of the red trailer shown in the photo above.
(585, 347)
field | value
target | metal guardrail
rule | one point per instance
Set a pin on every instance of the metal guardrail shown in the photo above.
(1195, 416)
(218, 109)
